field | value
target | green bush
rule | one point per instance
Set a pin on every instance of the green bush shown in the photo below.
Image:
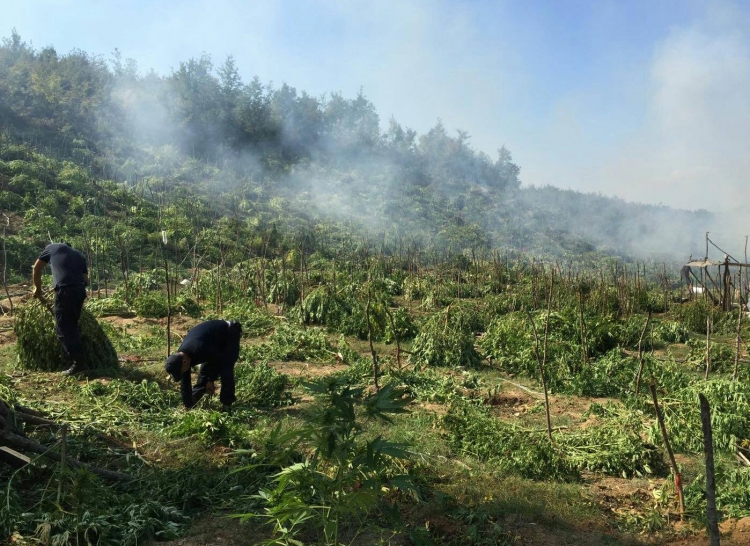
(262, 386)
(730, 415)
(446, 339)
(474, 431)
(292, 343)
(692, 315)
(186, 305)
(108, 307)
(151, 305)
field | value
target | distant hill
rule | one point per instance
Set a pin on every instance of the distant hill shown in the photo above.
(269, 156)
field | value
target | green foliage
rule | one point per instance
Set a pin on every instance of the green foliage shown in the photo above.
(289, 342)
(732, 492)
(430, 385)
(145, 396)
(612, 374)
(721, 357)
(692, 315)
(210, 428)
(614, 447)
(38, 347)
(474, 431)
(151, 305)
(730, 415)
(108, 307)
(446, 339)
(255, 321)
(186, 305)
(346, 474)
(671, 332)
(325, 307)
(130, 343)
(262, 386)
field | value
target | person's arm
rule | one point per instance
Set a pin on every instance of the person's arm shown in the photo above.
(186, 390)
(39, 265)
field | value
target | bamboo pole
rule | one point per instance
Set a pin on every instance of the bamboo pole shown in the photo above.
(640, 355)
(712, 518)
(670, 453)
(540, 365)
(708, 344)
(739, 330)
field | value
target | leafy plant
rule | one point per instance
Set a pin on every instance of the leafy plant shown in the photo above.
(151, 305)
(345, 475)
(262, 386)
(446, 339)
(107, 307)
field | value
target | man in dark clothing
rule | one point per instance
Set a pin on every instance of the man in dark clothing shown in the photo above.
(70, 277)
(215, 345)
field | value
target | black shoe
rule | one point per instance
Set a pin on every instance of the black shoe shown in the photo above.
(226, 408)
(76, 369)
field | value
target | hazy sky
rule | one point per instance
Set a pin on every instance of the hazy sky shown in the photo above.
(645, 99)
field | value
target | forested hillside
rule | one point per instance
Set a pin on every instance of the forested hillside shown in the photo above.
(263, 154)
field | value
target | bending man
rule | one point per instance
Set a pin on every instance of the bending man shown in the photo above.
(215, 345)
(70, 277)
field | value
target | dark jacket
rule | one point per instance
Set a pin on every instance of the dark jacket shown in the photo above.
(215, 345)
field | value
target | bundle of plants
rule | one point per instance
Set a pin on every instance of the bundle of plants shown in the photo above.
(109, 307)
(721, 356)
(262, 386)
(151, 305)
(326, 307)
(609, 375)
(255, 321)
(290, 342)
(473, 430)
(446, 339)
(614, 447)
(732, 491)
(509, 342)
(38, 347)
(730, 415)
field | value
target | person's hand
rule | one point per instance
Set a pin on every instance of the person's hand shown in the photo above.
(37, 293)
(210, 388)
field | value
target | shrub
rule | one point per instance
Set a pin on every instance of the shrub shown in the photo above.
(186, 305)
(474, 431)
(262, 386)
(446, 339)
(151, 305)
(107, 307)
(292, 343)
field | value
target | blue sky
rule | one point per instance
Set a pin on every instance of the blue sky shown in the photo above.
(640, 99)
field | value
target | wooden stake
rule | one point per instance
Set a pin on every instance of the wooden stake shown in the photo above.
(712, 518)
(372, 348)
(708, 344)
(640, 355)
(670, 453)
(739, 329)
(63, 455)
(540, 364)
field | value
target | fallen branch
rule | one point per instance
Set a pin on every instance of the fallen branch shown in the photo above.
(25, 444)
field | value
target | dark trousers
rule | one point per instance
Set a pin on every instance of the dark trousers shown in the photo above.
(226, 374)
(68, 307)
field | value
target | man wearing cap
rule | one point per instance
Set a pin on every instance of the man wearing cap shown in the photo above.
(70, 277)
(215, 345)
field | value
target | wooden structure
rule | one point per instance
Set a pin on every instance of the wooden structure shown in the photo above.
(728, 287)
